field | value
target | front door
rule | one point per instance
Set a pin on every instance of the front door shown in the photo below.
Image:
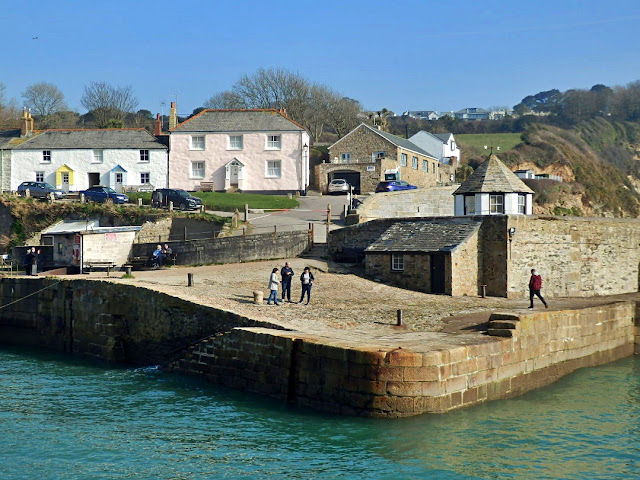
(233, 174)
(94, 179)
(65, 181)
(118, 185)
(437, 272)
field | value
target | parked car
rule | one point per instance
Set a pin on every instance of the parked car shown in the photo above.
(394, 186)
(40, 190)
(338, 185)
(101, 194)
(181, 199)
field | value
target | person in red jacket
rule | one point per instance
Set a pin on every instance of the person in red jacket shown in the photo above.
(535, 284)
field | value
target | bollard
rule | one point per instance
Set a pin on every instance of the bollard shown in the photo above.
(399, 315)
(82, 198)
(127, 269)
(484, 291)
(258, 297)
(246, 212)
(52, 197)
(140, 202)
(190, 280)
(171, 206)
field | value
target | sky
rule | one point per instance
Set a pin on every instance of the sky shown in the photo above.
(400, 55)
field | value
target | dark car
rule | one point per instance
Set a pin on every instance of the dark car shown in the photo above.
(181, 199)
(40, 190)
(394, 186)
(103, 194)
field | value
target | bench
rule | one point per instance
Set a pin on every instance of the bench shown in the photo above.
(106, 265)
(206, 187)
(138, 263)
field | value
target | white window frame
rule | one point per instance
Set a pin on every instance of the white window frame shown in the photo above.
(397, 262)
(403, 159)
(196, 142)
(414, 163)
(234, 144)
(46, 156)
(39, 176)
(143, 176)
(522, 203)
(119, 177)
(64, 177)
(274, 142)
(273, 169)
(496, 204)
(196, 168)
(425, 165)
(144, 156)
(98, 156)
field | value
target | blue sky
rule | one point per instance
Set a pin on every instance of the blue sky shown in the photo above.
(401, 55)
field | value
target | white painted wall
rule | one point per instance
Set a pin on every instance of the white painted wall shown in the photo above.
(254, 156)
(25, 164)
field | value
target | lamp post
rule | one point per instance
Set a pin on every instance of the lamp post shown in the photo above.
(305, 166)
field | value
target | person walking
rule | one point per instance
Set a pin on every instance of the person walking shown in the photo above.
(273, 286)
(307, 281)
(535, 284)
(287, 274)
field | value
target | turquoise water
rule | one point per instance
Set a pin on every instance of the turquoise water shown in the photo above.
(64, 419)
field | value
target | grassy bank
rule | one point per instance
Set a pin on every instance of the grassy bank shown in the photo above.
(229, 202)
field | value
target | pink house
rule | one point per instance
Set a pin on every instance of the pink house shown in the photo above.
(247, 150)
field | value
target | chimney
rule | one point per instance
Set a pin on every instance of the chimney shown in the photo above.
(173, 116)
(158, 126)
(26, 124)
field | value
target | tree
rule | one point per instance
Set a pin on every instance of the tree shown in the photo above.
(225, 100)
(44, 99)
(108, 104)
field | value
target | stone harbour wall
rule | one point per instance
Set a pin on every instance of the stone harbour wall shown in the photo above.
(522, 353)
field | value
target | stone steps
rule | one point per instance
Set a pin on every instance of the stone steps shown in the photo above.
(503, 325)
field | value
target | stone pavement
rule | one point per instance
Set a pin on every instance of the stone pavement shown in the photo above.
(344, 307)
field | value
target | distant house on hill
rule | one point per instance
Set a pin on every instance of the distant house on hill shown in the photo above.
(493, 189)
(248, 150)
(74, 160)
(422, 114)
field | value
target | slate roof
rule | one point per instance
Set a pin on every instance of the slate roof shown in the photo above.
(94, 139)
(394, 139)
(493, 176)
(424, 237)
(7, 135)
(443, 136)
(238, 121)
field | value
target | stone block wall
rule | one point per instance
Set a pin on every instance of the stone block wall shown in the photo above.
(375, 381)
(234, 249)
(423, 202)
(107, 321)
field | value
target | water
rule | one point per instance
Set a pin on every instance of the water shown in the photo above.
(64, 419)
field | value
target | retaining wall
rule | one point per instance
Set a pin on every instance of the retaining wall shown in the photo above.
(234, 249)
(382, 382)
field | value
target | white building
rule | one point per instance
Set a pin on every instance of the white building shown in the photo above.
(74, 160)
(493, 189)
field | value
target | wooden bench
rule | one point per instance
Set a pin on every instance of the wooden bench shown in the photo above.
(138, 263)
(206, 187)
(106, 265)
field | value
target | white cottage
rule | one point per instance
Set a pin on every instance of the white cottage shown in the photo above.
(493, 189)
(74, 160)
(247, 150)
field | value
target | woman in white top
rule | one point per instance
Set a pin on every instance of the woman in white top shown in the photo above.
(273, 286)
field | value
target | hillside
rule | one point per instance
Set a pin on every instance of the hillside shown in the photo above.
(598, 160)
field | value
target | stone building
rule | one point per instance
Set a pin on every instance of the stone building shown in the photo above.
(493, 189)
(577, 257)
(427, 256)
(366, 156)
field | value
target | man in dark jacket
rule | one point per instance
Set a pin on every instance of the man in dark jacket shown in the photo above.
(535, 284)
(287, 274)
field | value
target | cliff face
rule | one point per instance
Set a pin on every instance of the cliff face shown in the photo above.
(598, 160)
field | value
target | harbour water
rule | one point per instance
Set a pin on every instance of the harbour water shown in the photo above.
(67, 419)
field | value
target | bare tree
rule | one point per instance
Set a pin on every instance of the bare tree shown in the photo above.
(108, 104)
(225, 100)
(312, 105)
(44, 99)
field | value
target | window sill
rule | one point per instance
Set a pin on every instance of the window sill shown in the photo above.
(266, 176)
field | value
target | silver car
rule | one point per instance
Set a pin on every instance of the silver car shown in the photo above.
(40, 190)
(338, 185)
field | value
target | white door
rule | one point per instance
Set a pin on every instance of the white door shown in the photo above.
(233, 174)
(118, 186)
(65, 181)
